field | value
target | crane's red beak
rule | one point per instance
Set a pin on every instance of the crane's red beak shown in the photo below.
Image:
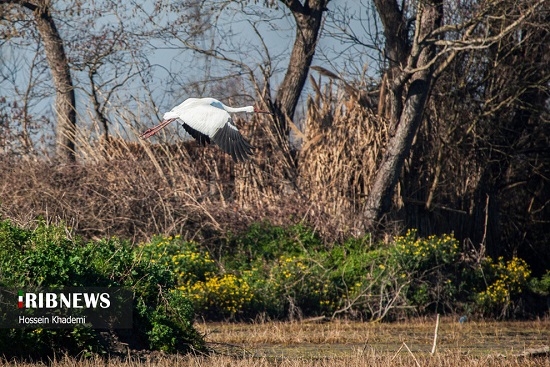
(256, 110)
(155, 129)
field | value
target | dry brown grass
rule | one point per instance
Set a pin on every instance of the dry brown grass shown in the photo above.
(478, 338)
(358, 358)
(132, 188)
(137, 189)
(344, 343)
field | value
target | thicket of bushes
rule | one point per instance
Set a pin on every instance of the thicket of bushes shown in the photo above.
(268, 272)
(273, 272)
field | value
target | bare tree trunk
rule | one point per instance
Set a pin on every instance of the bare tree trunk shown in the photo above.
(406, 119)
(379, 200)
(97, 106)
(59, 66)
(65, 98)
(396, 50)
(308, 19)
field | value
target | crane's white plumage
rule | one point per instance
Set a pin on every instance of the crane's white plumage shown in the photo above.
(207, 119)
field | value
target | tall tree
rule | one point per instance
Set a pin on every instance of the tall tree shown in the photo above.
(410, 67)
(308, 17)
(418, 49)
(59, 67)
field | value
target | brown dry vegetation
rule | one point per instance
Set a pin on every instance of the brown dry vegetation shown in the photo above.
(473, 338)
(134, 189)
(137, 189)
(359, 360)
(345, 343)
(338, 160)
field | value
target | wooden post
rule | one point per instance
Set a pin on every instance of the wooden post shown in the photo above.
(435, 334)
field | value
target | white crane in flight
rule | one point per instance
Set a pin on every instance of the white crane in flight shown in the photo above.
(206, 120)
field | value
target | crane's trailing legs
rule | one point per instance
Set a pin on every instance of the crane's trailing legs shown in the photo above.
(155, 129)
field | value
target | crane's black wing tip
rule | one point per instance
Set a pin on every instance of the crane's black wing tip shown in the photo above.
(230, 140)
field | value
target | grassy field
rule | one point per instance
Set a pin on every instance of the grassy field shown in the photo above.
(342, 343)
(339, 338)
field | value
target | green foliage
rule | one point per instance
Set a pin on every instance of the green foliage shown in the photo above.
(48, 256)
(170, 326)
(184, 259)
(257, 274)
(541, 286)
(430, 268)
(279, 264)
(197, 275)
(286, 272)
(422, 254)
(219, 296)
(270, 271)
(263, 242)
(292, 285)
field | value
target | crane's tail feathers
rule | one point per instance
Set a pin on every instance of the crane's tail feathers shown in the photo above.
(155, 129)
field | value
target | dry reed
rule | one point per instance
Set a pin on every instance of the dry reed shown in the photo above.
(134, 189)
(338, 161)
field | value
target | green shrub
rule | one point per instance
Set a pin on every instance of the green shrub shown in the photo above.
(185, 259)
(298, 285)
(215, 294)
(430, 268)
(289, 272)
(263, 243)
(251, 278)
(541, 286)
(169, 324)
(48, 256)
(420, 254)
(286, 272)
(279, 266)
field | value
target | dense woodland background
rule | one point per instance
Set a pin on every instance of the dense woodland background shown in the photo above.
(434, 115)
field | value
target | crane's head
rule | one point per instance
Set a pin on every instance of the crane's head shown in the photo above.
(257, 110)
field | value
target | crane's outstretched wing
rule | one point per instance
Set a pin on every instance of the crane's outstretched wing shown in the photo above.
(231, 141)
(208, 122)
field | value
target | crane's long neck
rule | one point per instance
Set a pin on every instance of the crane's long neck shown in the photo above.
(239, 109)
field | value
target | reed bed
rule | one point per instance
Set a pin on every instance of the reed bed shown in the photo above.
(124, 186)
(338, 160)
